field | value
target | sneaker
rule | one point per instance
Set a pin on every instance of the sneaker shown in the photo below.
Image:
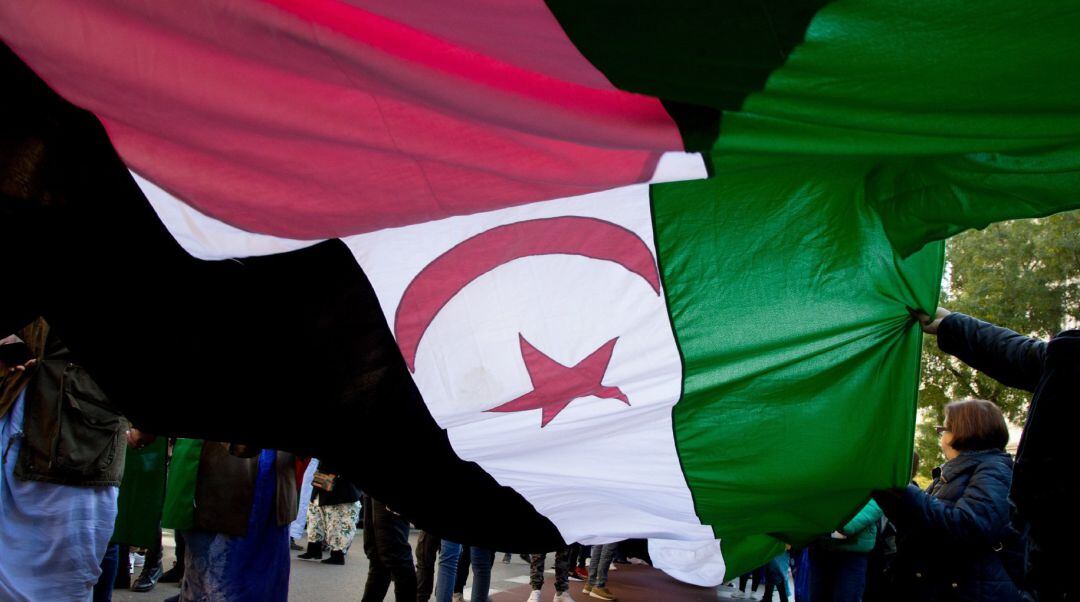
(314, 552)
(534, 596)
(563, 597)
(148, 578)
(138, 559)
(506, 558)
(295, 546)
(457, 598)
(574, 576)
(601, 593)
(581, 572)
(336, 557)
(587, 589)
(738, 595)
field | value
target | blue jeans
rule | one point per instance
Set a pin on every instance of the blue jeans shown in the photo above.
(449, 554)
(837, 576)
(482, 559)
(601, 561)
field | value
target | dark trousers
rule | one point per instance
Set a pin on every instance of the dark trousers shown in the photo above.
(754, 577)
(779, 588)
(103, 589)
(181, 547)
(776, 578)
(386, 544)
(427, 549)
(574, 554)
(837, 576)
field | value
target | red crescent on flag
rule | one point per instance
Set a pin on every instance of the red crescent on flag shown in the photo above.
(450, 272)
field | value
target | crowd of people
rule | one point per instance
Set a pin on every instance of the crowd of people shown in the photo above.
(80, 488)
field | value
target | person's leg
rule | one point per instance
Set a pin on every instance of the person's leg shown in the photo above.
(427, 547)
(562, 570)
(481, 565)
(316, 532)
(782, 588)
(152, 569)
(742, 581)
(820, 574)
(850, 577)
(572, 553)
(536, 571)
(378, 577)
(769, 587)
(449, 556)
(594, 562)
(607, 552)
(103, 589)
(339, 522)
(392, 539)
(123, 567)
(176, 573)
(297, 527)
(462, 570)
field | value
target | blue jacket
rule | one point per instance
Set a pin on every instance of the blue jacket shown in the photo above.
(948, 535)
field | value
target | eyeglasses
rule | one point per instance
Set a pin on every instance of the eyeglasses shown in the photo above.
(941, 430)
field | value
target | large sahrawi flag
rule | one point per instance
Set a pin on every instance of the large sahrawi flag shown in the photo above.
(516, 340)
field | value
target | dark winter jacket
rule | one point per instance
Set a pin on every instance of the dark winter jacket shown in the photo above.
(950, 536)
(344, 492)
(1045, 488)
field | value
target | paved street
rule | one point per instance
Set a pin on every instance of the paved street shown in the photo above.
(313, 581)
(316, 581)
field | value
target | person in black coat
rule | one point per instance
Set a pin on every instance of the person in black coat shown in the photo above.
(951, 536)
(1044, 489)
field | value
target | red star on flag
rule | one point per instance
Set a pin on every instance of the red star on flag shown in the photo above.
(555, 386)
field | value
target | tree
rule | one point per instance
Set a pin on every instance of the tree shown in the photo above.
(1022, 274)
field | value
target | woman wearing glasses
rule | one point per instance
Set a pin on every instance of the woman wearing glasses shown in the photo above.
(954, 538)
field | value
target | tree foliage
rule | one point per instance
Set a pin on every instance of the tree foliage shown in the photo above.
(1022, 274)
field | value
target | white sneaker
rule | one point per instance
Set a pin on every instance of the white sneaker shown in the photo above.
(563, 597)
(738, 595)
(138, 559)
(457, 598)
(534, 596)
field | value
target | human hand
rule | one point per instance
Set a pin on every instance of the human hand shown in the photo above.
(930, 325)
(15, 355)
(139, 439)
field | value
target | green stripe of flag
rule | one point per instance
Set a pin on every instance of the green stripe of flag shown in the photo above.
(800, 361)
